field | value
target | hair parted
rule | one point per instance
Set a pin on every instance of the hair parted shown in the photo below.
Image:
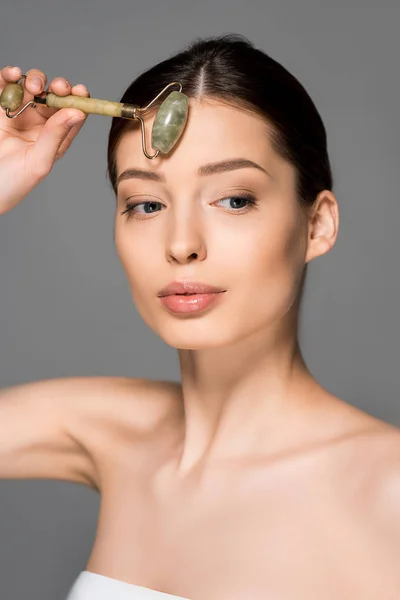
(230, 69)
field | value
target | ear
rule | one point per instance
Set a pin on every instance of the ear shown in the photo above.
(323, 225)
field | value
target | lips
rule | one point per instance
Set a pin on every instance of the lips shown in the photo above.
(188, 288)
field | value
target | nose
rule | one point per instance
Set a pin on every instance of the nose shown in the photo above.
(185, 241)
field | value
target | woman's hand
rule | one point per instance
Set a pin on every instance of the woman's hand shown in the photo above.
(31, 143)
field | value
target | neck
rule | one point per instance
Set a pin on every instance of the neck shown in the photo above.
(242, 399)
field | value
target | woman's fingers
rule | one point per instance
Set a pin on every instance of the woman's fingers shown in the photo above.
(35, 81)
(78, 90)
(30, 143)
(60, 86)
(9, 75)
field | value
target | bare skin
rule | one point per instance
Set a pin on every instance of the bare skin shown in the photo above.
(318, 515)
(248, 478)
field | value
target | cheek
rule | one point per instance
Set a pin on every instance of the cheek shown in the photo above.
(131, 251)
(265, 251)
(268, 268)
(141, 263)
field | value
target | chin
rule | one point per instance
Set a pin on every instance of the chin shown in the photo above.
(193, 344)
(191, 334)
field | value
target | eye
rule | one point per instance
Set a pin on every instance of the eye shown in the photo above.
(242, 201)
(150, 204)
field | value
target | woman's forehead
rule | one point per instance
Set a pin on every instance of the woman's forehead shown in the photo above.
(214, 131)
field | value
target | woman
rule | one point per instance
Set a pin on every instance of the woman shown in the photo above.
(247, 479)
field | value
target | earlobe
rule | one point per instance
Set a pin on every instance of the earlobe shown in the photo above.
(323, 225)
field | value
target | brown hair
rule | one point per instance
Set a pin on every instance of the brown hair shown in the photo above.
(231, 69)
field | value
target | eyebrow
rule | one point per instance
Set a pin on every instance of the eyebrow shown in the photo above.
(208, 169)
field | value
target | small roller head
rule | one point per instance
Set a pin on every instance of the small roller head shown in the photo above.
(170, 122)
(12, 96)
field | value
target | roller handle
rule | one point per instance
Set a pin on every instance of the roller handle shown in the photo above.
(12, 97)
(93, 106)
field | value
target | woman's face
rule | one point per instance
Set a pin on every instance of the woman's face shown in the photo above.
(202, 227)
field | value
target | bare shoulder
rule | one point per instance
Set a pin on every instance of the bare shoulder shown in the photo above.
(380, 503)
(373, 472)
(383, 489)
(142, 404)
(112, 413)
(58, 428)
(363, 450)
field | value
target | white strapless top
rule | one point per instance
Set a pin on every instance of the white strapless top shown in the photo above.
(92, 586)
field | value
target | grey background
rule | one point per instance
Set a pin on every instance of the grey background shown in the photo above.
(66, 308)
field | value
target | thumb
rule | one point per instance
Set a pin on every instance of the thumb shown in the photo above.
(54, 132)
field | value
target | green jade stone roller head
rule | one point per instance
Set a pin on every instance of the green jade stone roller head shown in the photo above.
(167, 128)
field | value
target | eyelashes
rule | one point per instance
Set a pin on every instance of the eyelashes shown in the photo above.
(251, 201)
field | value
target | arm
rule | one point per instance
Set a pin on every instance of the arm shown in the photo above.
(36, 420)
(71, 428)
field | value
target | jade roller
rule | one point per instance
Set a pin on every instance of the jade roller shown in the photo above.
(167, 127)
